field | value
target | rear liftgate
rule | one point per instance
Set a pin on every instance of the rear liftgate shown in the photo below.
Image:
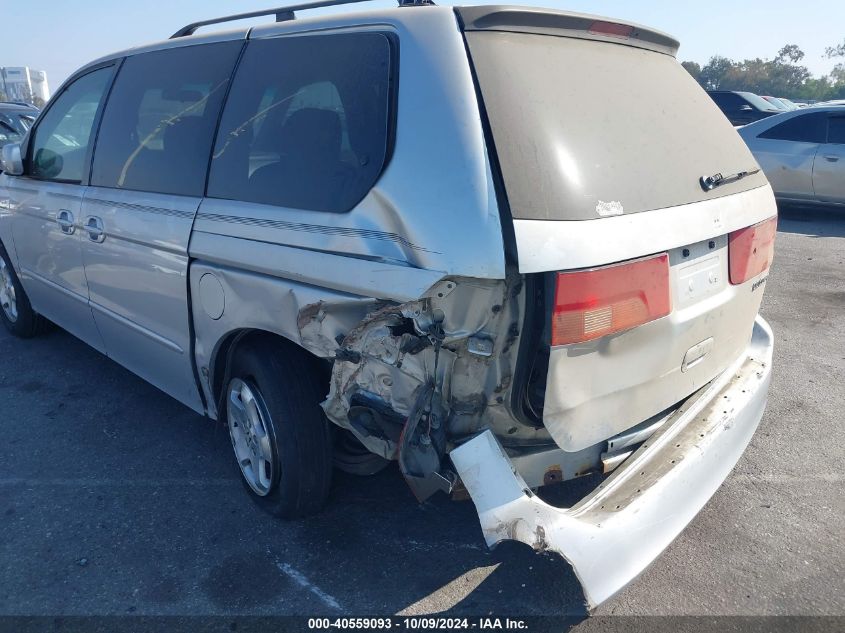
(614, 533)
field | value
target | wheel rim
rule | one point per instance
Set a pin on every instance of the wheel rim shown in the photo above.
(8, 299)
(248, 420)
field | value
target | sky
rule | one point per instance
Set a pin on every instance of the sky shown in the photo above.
(59, 36)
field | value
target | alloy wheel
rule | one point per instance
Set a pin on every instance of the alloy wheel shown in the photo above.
(248, 420)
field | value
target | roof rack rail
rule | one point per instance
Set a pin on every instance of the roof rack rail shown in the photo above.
(282, 13)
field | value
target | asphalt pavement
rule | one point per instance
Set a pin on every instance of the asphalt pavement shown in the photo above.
(115, 499)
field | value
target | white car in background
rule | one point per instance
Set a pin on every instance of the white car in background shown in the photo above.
(802, 154)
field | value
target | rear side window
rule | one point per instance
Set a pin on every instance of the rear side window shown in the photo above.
(727, 100)
(306, 125)
(836, 130)
(158, 125)
(61, 141)
(805, 128)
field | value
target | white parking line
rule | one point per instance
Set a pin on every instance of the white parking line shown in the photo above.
(300, 579)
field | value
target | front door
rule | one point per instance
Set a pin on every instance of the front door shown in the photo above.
(47, 206)
(147, 180)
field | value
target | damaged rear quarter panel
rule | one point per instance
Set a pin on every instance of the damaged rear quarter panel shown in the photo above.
(456, 338)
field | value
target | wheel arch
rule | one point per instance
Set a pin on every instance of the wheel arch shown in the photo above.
(236, 305)
(224, 352)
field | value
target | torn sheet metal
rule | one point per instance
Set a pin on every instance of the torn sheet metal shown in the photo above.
(460, 339)
(614, 533)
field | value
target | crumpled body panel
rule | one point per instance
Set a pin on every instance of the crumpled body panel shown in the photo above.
(615, 532)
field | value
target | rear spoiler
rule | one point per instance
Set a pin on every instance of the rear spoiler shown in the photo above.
(564, 24)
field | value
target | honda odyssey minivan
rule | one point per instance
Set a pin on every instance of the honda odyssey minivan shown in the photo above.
(425, 235)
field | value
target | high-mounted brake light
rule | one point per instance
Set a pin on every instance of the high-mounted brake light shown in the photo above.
(593, 303)
(750, 250)
(612, 28)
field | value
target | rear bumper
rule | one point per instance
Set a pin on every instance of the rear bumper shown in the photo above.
(615, 532)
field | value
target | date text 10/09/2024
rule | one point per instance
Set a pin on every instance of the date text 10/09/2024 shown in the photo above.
(418, 623)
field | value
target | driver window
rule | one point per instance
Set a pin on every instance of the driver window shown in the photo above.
(61, 140)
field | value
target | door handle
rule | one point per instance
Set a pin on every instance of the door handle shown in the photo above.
(831, 158)
(94, 226)
(64, 219)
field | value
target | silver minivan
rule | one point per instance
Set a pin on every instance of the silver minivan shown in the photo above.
(505, 247)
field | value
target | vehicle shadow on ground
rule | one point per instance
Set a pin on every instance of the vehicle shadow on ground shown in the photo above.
(812, 221)
(148, 484)
(438, 554)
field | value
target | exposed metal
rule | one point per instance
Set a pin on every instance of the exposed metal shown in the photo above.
(612, 534)
(611, 461)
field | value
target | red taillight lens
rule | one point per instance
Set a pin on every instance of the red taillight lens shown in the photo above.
(611, 28)
(750, 250)
(593, 303)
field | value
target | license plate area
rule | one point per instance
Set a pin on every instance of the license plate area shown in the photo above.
(698, 271)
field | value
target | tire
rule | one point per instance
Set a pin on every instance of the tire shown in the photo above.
(15, 310)
(352, 457)
(279, 433)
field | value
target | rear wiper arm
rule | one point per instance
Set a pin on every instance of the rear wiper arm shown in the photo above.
(709, 183)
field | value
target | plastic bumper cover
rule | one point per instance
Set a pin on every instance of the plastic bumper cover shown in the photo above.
(615, 532)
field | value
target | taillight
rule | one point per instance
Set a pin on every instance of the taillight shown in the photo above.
(750, 250)
(593, 303)
(611, 28)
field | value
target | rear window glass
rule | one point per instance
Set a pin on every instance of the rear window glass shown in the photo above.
(309, 131)
(759, 102)
(159, 121)
(586, 129)
(728, 100)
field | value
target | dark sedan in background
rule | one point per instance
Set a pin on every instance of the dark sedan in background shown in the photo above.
(742, 108)
(15, 120)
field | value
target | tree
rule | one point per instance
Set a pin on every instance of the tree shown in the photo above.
(715, 72)
(835, 51)
(782, 75)
(790, 53)
(693, 69)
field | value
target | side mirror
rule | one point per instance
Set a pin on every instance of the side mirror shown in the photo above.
(745, 108)
(11, 162)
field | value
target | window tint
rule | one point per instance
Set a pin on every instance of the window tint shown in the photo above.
(836, 130)
(306, 123)
(61, 140)
(727, 100)
(158, 125)
(805, 128)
